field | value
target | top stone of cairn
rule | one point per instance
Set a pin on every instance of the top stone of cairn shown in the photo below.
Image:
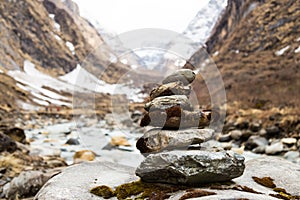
(185, 76)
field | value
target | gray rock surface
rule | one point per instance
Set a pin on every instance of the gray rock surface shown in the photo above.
(156, 140)
(174, 88)
(285, 174)
(162, 103)
(185, 76)
(191, 167)
(257, 144)
(76, 181)
(176, 119)
(27, 184)
(274, 148)
(7, 144)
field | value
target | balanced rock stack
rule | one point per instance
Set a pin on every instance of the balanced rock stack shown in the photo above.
(177, 126)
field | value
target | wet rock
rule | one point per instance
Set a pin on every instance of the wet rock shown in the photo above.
(235, 134)
(136, 116)
(274, 148)
(292, 155)
(27, 184)
(72, 141)
(17, 134)
(185, 76)
(175, 118)
(7, 144)
(224, 137)
(75, 182)
(162, 103)
(272, 131)
(256, 143)
(289, 141)
(262, 132)
(157, 140)
(191, 167)
(84, 155)
(175, 88)
(255, 126)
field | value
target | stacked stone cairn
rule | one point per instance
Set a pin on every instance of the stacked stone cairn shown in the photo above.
(177, 127)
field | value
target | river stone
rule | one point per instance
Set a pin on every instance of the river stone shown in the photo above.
(176, 118)
(191, 167)
(7, 144)
(174, 88)
(157, 140)
(76, 181)
(185, 76)
(162, 103)
(27, 184)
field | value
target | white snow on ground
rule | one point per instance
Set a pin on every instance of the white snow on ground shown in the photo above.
(71, 47)
(57, 37)
(297, 50)
(83, 79)
(281, 51)
(33, 81)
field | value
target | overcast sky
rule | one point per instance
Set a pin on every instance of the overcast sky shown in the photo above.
(120, 16)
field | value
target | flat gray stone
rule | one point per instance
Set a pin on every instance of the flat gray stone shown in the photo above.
(76, 181)
(162, 103)
(156, 140)
(175, 88)
(285, 174)
(27, 184)
(185, 76)
(191, 167)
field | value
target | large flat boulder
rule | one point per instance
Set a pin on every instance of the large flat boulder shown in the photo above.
(76, 181)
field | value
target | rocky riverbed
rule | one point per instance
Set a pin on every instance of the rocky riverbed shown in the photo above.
(51, 147)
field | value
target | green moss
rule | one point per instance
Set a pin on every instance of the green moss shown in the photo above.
(103, 191)
(265, 181)
(138, 189)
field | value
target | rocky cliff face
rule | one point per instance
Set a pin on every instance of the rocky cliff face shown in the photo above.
(256, 47)
(51, 35)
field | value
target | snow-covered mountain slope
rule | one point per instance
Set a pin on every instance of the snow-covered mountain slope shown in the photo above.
(45, 90)
(200, 28)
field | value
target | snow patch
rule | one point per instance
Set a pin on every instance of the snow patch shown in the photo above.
(71, 47)
(124, 61)
(297, 50)
(113, 58)
(281, 51)
(85, 80)
(52, 16)
(57, 37)
(32, 80)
